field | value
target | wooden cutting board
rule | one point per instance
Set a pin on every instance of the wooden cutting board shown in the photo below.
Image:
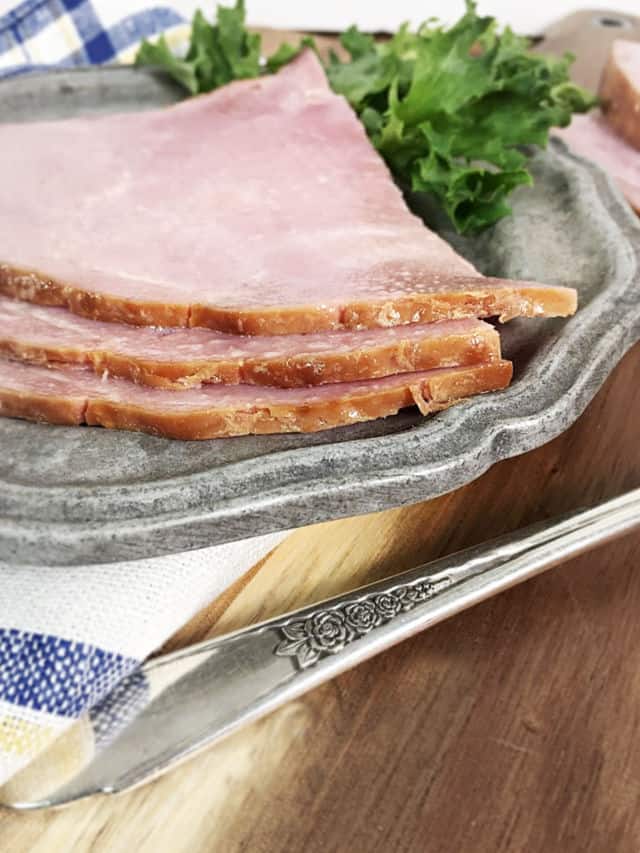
(513, 727)
(589, 35)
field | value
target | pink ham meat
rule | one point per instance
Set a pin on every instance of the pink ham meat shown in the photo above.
(620, 90)
(592, 137)
(179, 358)
(260, 208)
(74, 395)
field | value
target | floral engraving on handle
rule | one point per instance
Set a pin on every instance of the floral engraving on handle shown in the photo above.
(326, 632)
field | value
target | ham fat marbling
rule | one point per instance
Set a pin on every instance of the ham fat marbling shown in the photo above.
(180, 358)
(75, 395)
(260, 208)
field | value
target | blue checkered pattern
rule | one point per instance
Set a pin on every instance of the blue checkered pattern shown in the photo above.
(55, 675)
(38, 34)
(118, 708)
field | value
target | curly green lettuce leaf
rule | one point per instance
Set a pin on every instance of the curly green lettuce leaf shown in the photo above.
(218, 53)
(159, 55)
(286, 52)
(450, 109)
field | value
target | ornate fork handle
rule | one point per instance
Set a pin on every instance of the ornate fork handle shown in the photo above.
(198, 695)
(469, 576)
(329, 630)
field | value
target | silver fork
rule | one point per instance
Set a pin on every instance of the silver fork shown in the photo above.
(178, 704)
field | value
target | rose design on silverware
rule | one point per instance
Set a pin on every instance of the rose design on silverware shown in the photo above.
(361, 616)
(387, 605)
(326, 632)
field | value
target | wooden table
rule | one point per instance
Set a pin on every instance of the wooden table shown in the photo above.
(513, 727)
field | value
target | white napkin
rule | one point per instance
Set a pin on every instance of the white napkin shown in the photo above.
(69, 635)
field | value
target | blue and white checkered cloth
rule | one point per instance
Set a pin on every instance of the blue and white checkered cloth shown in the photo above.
(41, 33)
(72, 639)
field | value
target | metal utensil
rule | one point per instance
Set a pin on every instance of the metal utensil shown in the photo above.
(192, 698)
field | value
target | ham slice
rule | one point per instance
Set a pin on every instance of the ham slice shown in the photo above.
(260, 208)
(620, 90)
(592, 137)
(74, 395)
(180, 358)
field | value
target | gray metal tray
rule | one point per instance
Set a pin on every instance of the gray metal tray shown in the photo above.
(70, 495)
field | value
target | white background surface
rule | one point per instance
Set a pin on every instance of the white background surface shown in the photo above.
(527, 16)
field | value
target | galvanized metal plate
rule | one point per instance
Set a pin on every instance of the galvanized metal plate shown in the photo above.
(81, 495)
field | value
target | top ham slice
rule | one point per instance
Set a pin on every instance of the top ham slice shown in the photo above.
(261, 208)
(620, 90)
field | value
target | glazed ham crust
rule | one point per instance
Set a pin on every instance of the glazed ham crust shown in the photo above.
(260, 208)
(74, 395)
(181, 358)
(620, 90)
(444, 298)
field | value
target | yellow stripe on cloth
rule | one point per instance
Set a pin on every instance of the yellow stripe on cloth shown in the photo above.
(177, 38)
(24, 737)
(63, 759)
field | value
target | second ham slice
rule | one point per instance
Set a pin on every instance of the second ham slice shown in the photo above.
(260, 208)
(180, 358)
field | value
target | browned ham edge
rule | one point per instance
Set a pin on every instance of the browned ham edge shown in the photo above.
(182, 358)
(75, 396)
(460, 297)
(292, 372)
(620, 90)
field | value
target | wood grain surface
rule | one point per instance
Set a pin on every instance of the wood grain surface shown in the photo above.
(512, 727)
(588, 34)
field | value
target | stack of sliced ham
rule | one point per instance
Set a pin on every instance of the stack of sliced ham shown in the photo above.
(611, 137)
(239, 263)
